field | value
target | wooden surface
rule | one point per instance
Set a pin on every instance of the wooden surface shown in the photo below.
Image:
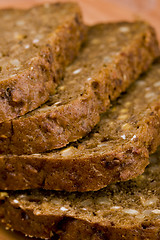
(97, 11)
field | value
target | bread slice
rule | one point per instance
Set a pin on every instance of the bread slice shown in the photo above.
(116, 150)
(113, 57)
(129, 210)
(36, 45)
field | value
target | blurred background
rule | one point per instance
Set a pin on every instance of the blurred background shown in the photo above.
(97, 11)
(106, 10)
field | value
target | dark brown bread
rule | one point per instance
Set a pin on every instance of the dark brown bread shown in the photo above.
(113, 57)
(122, 211)
(36, 45)
(116, 150)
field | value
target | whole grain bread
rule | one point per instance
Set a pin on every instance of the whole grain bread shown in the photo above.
(122, 211)
(113, 57)
(116, 150)
(35, 47)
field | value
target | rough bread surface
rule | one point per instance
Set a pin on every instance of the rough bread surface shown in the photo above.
(122, 211)
(113, 57)
(116, 150)
(36, 45)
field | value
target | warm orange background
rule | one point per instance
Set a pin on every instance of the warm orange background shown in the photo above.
(106, 10)
(98, 11)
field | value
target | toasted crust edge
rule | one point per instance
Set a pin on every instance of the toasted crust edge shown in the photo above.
(84, 173)
(15, 216)
(32, 87)
(51, 130)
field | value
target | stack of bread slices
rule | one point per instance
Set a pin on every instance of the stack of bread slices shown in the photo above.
(79, 119)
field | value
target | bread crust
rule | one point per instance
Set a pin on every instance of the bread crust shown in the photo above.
(127, 211)
(54, 126)
(117, 149)
(30, 86)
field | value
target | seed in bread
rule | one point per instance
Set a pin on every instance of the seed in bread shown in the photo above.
(128, 210)
(117, 149)
(109, 62)
(36, 46)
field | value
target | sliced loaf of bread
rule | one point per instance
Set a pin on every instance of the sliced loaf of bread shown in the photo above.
(112, 58)
(36, 45)
(116, 150)
(129, 211)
